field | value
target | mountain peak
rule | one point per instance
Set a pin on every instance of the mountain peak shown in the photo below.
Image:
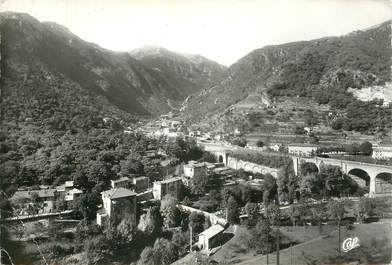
(151, 50)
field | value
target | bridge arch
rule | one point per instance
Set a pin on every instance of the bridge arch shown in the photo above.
(383, 183)
(220, 159)
(360, 176)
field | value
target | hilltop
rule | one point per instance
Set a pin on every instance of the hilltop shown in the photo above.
(188, 71)
(321, 72)
(31, 49)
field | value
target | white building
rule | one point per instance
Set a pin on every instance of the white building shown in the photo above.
(73, 194)
(382, 152)
(195, 169)
(210, 238)
(302, 149)
(274, 147)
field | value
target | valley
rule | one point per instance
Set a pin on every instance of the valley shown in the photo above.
(150, 156)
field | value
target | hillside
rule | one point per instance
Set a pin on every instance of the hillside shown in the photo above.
(190, 72)
(320, 71)
(31, 47)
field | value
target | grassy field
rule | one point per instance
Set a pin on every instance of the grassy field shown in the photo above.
(239, 247)
(375, 248)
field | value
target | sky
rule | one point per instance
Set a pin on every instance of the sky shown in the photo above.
(221, 30)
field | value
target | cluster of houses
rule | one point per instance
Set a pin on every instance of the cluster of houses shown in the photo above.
(45, 199)
(122, 200)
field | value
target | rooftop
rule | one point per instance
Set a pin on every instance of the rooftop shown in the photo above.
(69, 183)
(384, 147)
(139, 178)
(195, 165)
(27, 194)
(212, 231)
(120, 180)
(118, 193)
(170, 180)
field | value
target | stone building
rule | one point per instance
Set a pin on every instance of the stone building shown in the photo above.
(117, 204)
(140, 184)
(123, 182)
(171, 186)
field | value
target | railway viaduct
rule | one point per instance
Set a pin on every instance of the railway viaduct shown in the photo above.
(378, 177)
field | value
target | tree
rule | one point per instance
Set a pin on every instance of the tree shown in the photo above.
(200, 184)
(36, 202)
(208, 157)
(97, 248)
(170, 212)
(259, 143)
(262, 238)
(132, 166)
(353, 149)
(233, 215)
(286, 183)
(181, 241)
(299, 130)
(366, 148)
(336, 211)
(147, 257)
(369, 207)
(311, 118)
(294, 214)
(332, 178)
(151, 221)
(318, 213)
(126, 230)
(308, 168)
(269, 189)
(196, 221)
(292, 187)
(273, 214)
(253, 212)
(87, 205)
(239, 142)
(164, 252)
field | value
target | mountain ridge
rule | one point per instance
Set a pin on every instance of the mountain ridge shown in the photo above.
(123, 80)
(320, 69)
(192, 72)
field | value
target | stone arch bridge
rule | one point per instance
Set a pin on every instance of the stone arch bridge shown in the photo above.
(378, 177)
(222, 155)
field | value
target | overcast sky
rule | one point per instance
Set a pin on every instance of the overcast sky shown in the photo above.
(222, 30)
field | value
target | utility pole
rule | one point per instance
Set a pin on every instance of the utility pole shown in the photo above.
(277, 243)
(339, 238)
(190, 239)
(267, 248)
(291, 253)
(1, 248)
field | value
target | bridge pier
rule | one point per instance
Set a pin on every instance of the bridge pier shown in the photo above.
(372, 184)
(296, 165)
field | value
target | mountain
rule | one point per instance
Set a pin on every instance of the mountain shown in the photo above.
(320, 71)
(190, 72)
(32, 49)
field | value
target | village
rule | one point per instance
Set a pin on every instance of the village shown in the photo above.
(199, 188)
